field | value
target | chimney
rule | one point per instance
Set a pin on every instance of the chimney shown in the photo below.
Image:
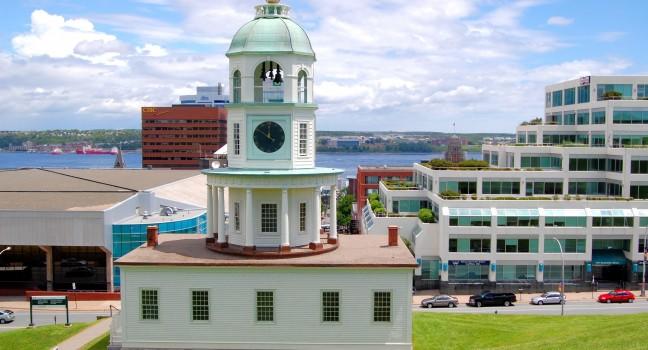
(393, 235)
(151, 236)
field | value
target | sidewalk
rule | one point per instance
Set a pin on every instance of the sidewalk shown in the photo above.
(19, 303)
(524, 297)
(87, 335)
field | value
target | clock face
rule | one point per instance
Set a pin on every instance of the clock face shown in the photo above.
(269, 137)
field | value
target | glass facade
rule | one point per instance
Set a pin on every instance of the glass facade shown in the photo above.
(614, 92)
(553, 273)
(467, 272)
(594, 188)
(532, 138)
(408, 205)
(430, 269)
(557, 98)
(570, 96)
(517, 245)
(516, 272)
(642, 91)
(639, 167)
(517, 217)
(598, 140)
(569, 118)
(565, 221)
(568, 245)
(463, 187)
(612, 221)
(561, 139)
(629, 140)
(470, 221)
(584, 94)
(639, 192)
(630, 117)
(582, 118)
(595, 164)
(548, 99)
(500, 187)
(622, 244)
(598, 116)
(541, 162)
(127, 237)
(469, 245)
(544, 188)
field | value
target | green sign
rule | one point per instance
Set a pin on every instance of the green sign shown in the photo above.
(49, 301)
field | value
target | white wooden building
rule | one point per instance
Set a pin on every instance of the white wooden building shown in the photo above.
(267, 277)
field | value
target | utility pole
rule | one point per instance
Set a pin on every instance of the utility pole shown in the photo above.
(562, 283)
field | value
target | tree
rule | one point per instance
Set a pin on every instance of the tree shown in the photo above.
(345, 205)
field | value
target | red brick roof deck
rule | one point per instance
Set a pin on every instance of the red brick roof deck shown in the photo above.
(366, 251)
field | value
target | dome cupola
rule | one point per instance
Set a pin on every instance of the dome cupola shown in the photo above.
(272, 31)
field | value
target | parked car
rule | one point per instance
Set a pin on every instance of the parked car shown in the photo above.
(6, 316)
(617, 296)
(492, 299)
(440, 300)
(549, 298)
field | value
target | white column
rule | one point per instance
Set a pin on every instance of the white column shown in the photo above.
(49, 266)
(215, 205)
(285, 221)
(210, 213)
(221, 216)
(333, 217)
(317, 212)
(249, 221)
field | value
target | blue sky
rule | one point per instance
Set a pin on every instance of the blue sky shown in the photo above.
(382, 64)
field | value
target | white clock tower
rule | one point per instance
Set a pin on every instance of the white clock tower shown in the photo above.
(274, 186)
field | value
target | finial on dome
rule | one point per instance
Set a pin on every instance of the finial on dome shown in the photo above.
(273, 1)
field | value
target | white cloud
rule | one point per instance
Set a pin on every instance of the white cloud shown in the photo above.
(152, 50)
(390, 64)
(559, 21)
(609, 37)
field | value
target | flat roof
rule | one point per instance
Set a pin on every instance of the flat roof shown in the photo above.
(368, 251)
(78, 189)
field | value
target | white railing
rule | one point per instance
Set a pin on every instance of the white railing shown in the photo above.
(116, 330)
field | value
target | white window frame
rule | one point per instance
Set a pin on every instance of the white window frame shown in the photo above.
(237, 138)
(303, 139)
(191, 291)
(237, 217)
(303, 217)
(157, 305)
(275, 218)
(256, 306)
(339, 306)
(373, 305)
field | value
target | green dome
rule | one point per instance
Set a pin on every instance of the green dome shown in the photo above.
(271, 35)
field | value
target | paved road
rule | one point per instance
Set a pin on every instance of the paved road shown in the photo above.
(571, 308)
(47, 317)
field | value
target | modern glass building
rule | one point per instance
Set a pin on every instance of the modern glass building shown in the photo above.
(575, 180)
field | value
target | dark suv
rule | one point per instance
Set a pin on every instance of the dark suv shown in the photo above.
(492, 299)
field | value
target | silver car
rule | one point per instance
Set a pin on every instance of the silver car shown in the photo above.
(6, 316)
(548, 298)
(440, 300)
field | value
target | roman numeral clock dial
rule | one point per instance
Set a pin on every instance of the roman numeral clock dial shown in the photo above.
(269, 137)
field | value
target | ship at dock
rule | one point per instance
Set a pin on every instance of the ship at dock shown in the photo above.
(89, 150)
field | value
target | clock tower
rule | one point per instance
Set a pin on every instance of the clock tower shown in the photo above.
(273, 185)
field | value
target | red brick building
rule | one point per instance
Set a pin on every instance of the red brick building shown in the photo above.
(368, 178)
(177, 137)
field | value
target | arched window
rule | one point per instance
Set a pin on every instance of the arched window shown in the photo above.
(269, 83)
(236, 84)
(302, 87)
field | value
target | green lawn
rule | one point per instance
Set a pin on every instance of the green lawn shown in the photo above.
(100, 343)
(39, 338)
(525, 332)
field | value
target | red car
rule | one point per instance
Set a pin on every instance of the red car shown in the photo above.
(617, 296)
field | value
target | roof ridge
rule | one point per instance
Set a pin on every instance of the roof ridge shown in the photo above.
(89, 180)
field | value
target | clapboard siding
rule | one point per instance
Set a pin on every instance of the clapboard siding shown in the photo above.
(297, 307)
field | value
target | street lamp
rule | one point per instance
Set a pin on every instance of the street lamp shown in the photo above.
(562, 277)
(643, 278)
(4, 250)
